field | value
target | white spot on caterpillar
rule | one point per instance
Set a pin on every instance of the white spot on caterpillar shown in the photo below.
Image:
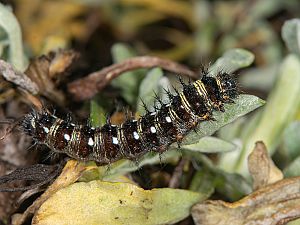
(136, 135)
(90, 142)
(46, 129)
(168, 119)
(115, 140)
(32, 122)
(67, 137)
(153, 130)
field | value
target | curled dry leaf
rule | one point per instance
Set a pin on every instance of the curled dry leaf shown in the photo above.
(47, 70)
(60, 62)
(7, 199)
(70, 174)
(273, 203)
(7, 91)
(37, 174)
(262, 168)
(277, 203)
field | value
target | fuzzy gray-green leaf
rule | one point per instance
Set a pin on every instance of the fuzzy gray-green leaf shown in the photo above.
(291, 35)
(279, 111)
(148, 86)
(293, 168)
(291, 140)
(243, 105)
(233, 60)
(210, 145)
(128, 82)
(11, 26)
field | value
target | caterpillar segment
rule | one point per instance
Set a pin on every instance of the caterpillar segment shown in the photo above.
(154, 131)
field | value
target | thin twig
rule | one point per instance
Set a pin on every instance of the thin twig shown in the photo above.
(17, 77)
(88, 86)
(175, 179)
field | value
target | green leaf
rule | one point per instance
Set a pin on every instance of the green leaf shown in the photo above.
(1, 50)
(291, 35)
(97, 113)
(121, 52)
(291, 140)
(11, 26)
(128, 82)
(265, 9)
(148, 86)
(232, 60)
(210, 145)
(243, 105)
(124, 166)
(293, 169)
(108, 203)
(280, 110)
(203, 182)
(231, 185)
(260, 78)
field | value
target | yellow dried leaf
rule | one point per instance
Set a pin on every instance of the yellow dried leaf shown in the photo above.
(170, 7)
(107, 203)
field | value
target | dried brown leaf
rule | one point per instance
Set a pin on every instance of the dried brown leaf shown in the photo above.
(277, 203)
(47, 70)
(70, 174)
(7, 200)
(262, 168)
(61, 62)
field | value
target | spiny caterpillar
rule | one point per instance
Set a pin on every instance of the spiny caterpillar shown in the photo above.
(154, 131)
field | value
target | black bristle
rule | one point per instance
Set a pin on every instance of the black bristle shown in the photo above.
(158, 99)
(169, 94)
(145, 106)
(181, 81)
(108, 119)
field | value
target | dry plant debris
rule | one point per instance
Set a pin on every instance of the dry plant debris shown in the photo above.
(70, 174)
(47, 71)
(88, 86)
(18, 78)
(272, 203)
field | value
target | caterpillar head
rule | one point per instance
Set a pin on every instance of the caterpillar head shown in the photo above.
(37, 124)
(228, 86)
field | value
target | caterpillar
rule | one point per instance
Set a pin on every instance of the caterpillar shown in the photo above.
(154, 131)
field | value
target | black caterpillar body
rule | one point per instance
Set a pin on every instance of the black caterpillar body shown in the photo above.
(154, 131)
